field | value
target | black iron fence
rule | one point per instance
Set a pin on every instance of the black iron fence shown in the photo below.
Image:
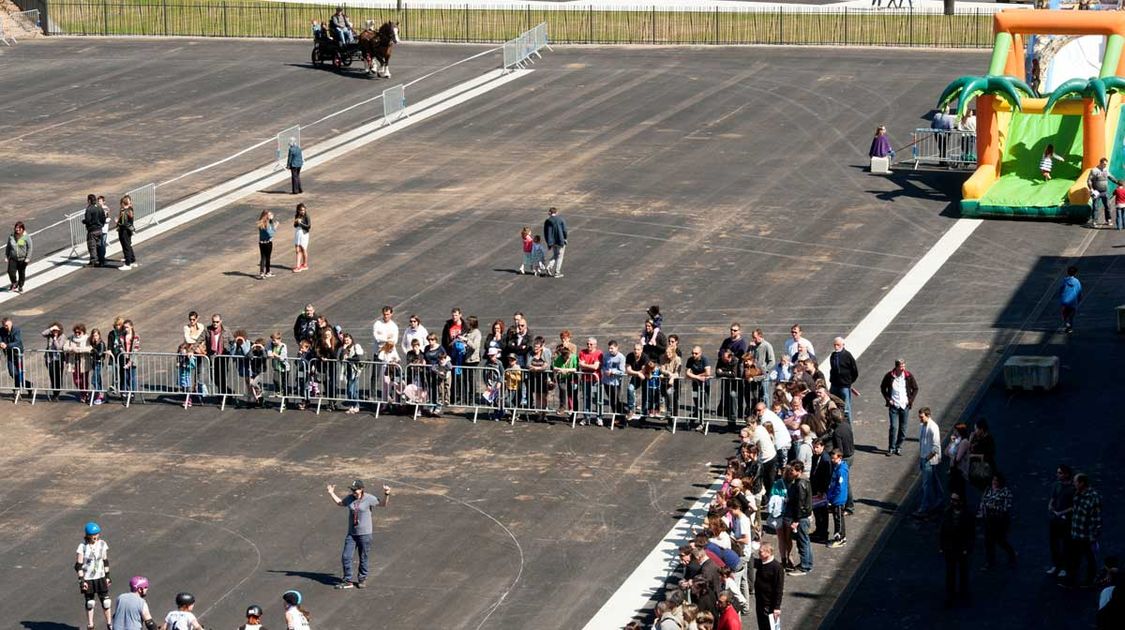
(569, 24)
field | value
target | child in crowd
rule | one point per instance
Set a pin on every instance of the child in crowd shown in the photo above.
(493, 381)
(306, 373)
(513, 381)
(257, 359)
(279, 355)
(185, 367)
(527, 244)
(783, 370)
(97, 357)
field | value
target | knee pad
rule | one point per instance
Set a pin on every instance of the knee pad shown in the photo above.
(89, 604)
(106, 603)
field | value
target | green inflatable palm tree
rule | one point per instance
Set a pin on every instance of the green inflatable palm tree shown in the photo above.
(1095, 88)
(966, 88)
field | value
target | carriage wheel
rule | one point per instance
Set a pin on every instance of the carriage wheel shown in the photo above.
(316, 60)
(337, 60)
(346, 59)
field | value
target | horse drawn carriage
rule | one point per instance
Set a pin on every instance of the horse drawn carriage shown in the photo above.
(372, 45)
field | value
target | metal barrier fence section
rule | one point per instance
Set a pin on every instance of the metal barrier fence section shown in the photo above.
(518, 51)
(21, 23)
(831, 26)
(81, 375)
(394, 103)
(12, 376)
(257, 380)
(292, 134)
(953, 148)
(144, 205)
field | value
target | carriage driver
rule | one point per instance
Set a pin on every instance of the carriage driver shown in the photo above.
(342, 27)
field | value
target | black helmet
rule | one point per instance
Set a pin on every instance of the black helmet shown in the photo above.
(254, 611)
(185, 599)
(356, 485)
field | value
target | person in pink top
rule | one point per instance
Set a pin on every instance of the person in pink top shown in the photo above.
(528, 243)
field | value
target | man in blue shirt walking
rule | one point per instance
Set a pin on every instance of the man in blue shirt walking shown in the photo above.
(1070, 295)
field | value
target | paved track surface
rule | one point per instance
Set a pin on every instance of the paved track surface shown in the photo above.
(722, 183)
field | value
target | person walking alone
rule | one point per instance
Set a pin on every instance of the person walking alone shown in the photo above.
(1070, 296)
(554, 232)
(360, 505)
(294, 162)
(125, 230)
(17, 253)
(899, 389)
(94, 218)
(301, 226)
(929, 453)
(267, 227)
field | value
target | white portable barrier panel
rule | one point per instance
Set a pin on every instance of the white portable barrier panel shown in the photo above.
(144, 205)
(54, 373)
(953, 148)
(394, 103)
(152, 375)
(291, 134)
(12, 377)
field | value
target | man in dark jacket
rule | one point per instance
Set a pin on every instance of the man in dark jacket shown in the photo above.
(94, 218)
(819, 478)
(956, 542)
(294, 161)
(769, 586)
(842, 437)
(304, 329)
(11, 344)
(899, 389)
(843, 371)
(517, 342)
(554, 232)
(799, 510)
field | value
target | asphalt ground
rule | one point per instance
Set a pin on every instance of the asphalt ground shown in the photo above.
(722, 183)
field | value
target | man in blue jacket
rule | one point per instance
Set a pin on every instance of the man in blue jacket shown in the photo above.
(554, 232)
(294, 163)
(11, 344)
(838, 498)
(1070, 294)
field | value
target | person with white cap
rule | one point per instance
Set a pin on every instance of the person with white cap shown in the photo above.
(360, 505)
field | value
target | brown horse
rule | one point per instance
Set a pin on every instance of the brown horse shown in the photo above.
(376, 45)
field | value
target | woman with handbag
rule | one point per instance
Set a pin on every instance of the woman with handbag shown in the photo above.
(125, 230)
(982, 456)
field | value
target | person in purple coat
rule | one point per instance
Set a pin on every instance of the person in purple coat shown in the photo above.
(881, 144)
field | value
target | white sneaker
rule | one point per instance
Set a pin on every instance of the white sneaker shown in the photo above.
(1062, 573)
(125, 267)
(1052, 570)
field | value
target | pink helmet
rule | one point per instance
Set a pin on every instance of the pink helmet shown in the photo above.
(137, 582)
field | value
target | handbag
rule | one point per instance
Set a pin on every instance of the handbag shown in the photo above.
(980, 471)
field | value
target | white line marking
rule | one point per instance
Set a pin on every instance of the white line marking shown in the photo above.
(58, 265)
(637, 594)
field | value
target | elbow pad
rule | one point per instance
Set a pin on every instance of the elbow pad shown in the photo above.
(150, 624)
(77, 567)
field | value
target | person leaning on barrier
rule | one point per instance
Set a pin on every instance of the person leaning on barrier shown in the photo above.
(11, 344)
(17, 253)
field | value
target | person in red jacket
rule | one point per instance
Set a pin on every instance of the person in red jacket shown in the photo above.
(729, 618)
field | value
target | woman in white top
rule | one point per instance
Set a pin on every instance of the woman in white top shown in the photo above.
(193, 331)
(414, 331)
(296, 617)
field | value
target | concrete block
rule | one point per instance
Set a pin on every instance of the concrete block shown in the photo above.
(1027, 372)
(880, 165)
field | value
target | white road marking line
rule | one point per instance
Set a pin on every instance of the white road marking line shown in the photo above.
(637, 593)
(58, 265)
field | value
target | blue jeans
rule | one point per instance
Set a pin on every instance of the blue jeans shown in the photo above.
(896, 429)
(767, 392)
(1120, 217)
(631, 396)
(351, 542)
(353, 390)
(15, 370)
(804, 545)
(1103, 201)
(591, 400)
(931, 488)
(845, 393)
(96, 378)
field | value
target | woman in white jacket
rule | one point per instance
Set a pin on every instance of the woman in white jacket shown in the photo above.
(79, 360)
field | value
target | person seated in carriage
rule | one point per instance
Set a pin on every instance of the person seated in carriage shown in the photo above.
(341, 27)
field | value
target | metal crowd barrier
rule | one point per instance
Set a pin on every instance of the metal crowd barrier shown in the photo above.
(144, 205)
(374, 386)
(57, 372)
(394, 103)
(12, 376)
(953, 148)
(518, 51)
(283, 138)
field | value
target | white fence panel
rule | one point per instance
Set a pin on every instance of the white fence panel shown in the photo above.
(282, 154)
(394, 103)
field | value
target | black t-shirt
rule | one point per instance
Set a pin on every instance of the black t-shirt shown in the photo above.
(696, 366)
(636, 362)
